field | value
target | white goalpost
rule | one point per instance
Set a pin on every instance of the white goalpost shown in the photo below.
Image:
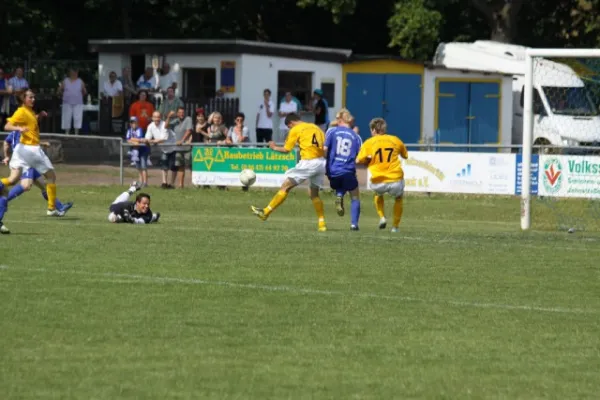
(561, 104)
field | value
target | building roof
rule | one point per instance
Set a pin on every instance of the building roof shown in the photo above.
(430, 65)
(226, 46)
(379, 57)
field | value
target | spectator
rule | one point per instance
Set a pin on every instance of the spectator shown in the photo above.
(142, 109)
(182, 127)
(321, 110)
(217, 131)
(17, 85)
(4, 98)
(264, 118)
(140, 153)
(168, 79)
(201, 131)
(158, 132)
(239, 132)
(72, 89)
(129, 89)
(147, 81)
(171, 103)
(113, 87)
(287, 106)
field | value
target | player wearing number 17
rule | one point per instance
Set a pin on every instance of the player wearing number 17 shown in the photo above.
(310, 138)
(382, 154)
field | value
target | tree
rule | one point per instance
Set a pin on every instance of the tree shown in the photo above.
(414, 29)
(501, 16)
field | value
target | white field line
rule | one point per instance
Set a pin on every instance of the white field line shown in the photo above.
(118, 278)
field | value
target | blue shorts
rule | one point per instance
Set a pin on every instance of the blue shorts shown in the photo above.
(344, 183)
(142, 161)
(32, 174)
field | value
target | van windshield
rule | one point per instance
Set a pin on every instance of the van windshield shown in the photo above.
(570, 101)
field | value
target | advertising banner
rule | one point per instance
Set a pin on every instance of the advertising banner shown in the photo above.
(569, 176)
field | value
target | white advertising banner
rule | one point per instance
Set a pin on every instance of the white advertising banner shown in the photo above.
(569, 176)
(475, 173)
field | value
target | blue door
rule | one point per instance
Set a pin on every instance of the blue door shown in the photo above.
(364, 99)
(402, 106)
(483, 115)
(453, 111)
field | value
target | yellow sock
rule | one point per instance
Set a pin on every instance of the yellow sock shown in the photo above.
(276, 201)
(5, 181)
(318, 204)
(379, 206)
(51, 191)
(398, 208)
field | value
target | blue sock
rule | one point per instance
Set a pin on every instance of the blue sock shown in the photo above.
(16, 191)
(3, 206)
(57, 202)
(355, 212)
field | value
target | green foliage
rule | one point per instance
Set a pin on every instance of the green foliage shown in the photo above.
(414, 29)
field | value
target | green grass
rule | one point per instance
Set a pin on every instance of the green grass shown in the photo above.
(213, 303)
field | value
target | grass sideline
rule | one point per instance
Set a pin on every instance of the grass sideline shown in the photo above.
(213, 303)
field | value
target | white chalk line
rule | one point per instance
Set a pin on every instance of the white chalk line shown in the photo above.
(119, 277)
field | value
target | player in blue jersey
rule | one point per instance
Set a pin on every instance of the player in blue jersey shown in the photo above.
(29, 177)
(342, 145)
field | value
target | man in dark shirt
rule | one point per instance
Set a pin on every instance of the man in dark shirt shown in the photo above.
(133, 212)
(320, 109)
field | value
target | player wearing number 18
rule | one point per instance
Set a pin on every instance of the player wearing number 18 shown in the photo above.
(382, 154)
(309, 138)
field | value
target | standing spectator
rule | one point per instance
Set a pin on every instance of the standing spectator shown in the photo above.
(4, 98)
(287, 106)
(321, 110)
(159, 133)
(129, 89)
(135, 135)
(239, 132)
(17, 85)
(168, 79)
(142, 109)
(182, 127)
(112, 87)
(217, 131)
(72, 89)
(264, 118)
(171, 103)
(201, 128)
(147, 81)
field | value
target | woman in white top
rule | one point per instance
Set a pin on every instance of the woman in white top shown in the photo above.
(72, 90)
(239, 132)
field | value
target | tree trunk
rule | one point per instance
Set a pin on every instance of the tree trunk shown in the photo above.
(125, 5)
(501, 16)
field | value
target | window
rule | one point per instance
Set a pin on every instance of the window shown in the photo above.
(199, 83)
(538, 105)
(329, 93)
(297, 83)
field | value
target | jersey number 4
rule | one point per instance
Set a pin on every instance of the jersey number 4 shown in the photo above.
(379, 153)
(314, 140)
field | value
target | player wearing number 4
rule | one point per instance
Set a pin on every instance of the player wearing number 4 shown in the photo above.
(311, 167)
(382, 154)
(342, 145)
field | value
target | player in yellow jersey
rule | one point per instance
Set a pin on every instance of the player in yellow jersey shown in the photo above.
(381, 153)
(28, 153)
(309, 137)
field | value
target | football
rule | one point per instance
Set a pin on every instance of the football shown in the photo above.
(247, 177)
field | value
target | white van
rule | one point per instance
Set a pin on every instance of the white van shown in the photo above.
(565, 114)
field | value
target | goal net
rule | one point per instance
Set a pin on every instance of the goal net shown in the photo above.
(560, 162)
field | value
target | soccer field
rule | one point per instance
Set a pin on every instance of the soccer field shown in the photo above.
(213, 303)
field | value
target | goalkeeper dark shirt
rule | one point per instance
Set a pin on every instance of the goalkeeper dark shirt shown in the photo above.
(119, 209)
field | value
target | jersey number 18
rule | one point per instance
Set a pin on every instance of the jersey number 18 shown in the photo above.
(344, 146)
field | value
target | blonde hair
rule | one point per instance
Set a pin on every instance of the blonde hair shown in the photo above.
(333, 124)
(378, 125)
(344, 116)
(213, 115)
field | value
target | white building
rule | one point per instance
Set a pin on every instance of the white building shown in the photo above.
(239, 68)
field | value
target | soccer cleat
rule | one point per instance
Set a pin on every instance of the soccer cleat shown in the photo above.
(395, 230)
(55, 213)
(339, 205)
(322, 226)
(382, 223)
(353, 228)
(259, 212)
(135, 186)
(3, 229)
(66, 207)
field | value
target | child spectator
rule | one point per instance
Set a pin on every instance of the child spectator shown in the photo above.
(140, 153)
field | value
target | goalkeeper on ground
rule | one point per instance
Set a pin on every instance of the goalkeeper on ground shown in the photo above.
(133, 212)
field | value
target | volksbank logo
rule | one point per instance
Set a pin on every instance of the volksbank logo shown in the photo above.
(553, 175)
